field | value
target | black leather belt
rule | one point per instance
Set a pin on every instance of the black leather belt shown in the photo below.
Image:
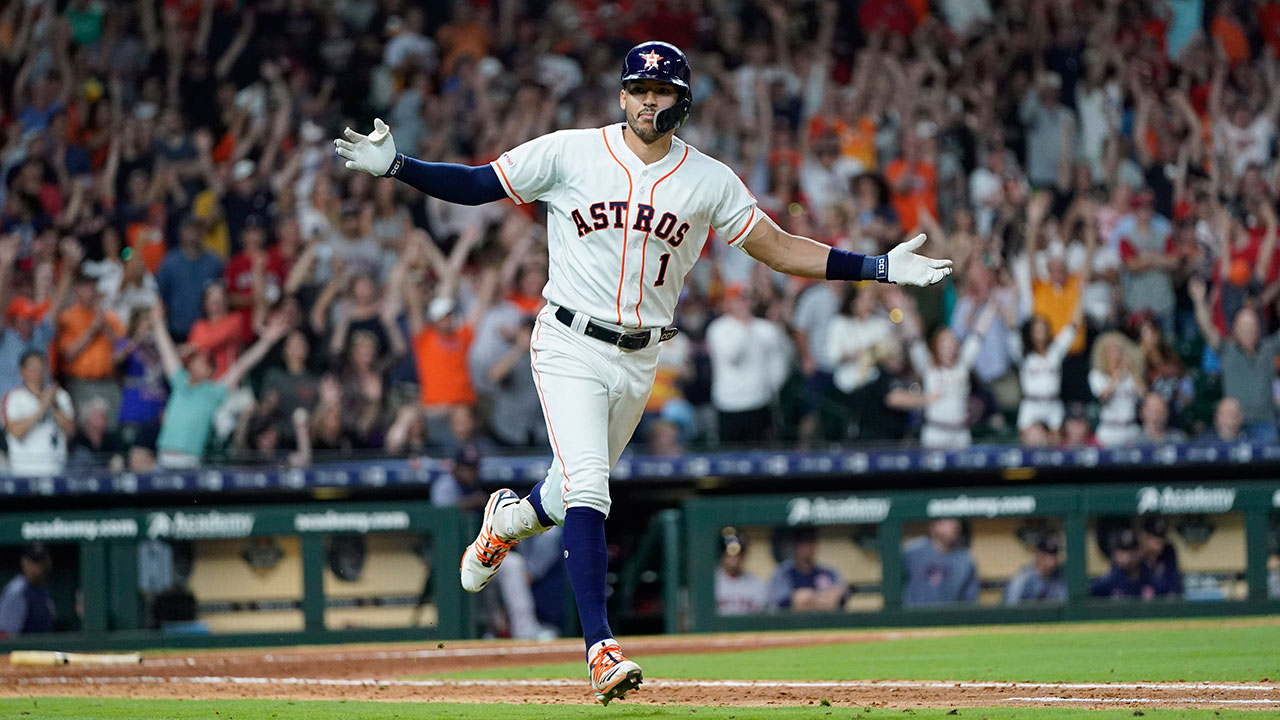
(625, 340)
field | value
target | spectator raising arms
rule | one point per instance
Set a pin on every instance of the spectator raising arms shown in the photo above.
(1041, 372)
(1248, 364)
(945, 372)
(194, 395)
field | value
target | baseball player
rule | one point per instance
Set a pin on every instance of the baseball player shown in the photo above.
(629, 209)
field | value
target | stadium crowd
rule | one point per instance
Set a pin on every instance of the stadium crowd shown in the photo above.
(188, 274)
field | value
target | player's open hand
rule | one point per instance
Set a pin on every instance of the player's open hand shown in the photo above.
(908, 268)
(372, 153)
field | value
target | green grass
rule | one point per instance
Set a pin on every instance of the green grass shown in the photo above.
(1089, 653)
(107, 709)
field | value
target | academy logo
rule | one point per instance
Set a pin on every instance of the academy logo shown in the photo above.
(1176, 500)
(828, 511)
(360, 522)
(186, 526)
(965, 506)
(59, 529)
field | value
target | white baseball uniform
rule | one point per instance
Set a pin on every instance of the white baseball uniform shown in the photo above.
(622, 235)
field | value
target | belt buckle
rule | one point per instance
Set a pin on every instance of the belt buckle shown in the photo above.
(632, 341)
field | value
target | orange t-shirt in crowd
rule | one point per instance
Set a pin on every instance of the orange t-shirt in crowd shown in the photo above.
(1058, 305)
(1232, 38)
(528, 304)
(147, 238)
(95, 362)
(442, 366)
(857, 139)
(925, 192)
(221, 338)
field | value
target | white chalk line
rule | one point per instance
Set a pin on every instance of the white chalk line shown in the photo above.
(852, 684)
(517, 650)
(1126, 701)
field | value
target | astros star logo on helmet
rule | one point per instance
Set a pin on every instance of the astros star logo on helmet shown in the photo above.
(651, 60)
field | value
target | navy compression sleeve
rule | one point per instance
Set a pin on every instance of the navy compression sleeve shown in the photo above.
(453, 183)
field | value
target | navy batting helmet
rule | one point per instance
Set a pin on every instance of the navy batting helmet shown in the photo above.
(655, 60)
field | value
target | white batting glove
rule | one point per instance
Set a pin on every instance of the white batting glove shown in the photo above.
(372, 153)
(908, 268)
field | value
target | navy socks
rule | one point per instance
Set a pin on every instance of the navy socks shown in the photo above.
(587, 559)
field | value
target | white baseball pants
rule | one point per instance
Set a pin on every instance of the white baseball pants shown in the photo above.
(593, 395)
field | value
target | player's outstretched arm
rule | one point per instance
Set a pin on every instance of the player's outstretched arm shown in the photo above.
(376, 154)
(801, 256)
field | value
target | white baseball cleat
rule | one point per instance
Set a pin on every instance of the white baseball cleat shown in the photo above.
(612, 675)
(482, 558)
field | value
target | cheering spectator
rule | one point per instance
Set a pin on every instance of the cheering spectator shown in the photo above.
(144, 392)
(220, 332)
(1075, 428)
(1248, 364)
(1117, 385)
(182, 278)
(1244, 261)
(938, 569)
(255, 274)
(1228, 422)
(1050, 128)
(442, 338)
(25, 328)
(738, 592)
(994, 366)
(38, 418)
(86, 335)
(1150, 258)
(1041, 371)
(749, 362)
(800, 584)
(913, 179)
(96, 444)
(362, 380)
(1046, 287)
(855, 341)
(500, 366)
(945, 372)
(1165, 374)
(1041, 580)
(194, 395)
(1154, 416)
(294, 384)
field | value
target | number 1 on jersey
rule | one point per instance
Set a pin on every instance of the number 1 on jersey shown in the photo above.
(662, 269)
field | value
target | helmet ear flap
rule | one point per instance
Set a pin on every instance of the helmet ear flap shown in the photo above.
(664, 121)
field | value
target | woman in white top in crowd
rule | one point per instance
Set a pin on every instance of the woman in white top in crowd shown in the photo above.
(1116, 380)
(855, 343)
(1041, 371)
(945, 374)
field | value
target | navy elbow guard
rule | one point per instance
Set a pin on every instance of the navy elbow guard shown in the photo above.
(845, 265)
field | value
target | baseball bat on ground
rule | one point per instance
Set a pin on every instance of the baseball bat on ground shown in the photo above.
(51, 657)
